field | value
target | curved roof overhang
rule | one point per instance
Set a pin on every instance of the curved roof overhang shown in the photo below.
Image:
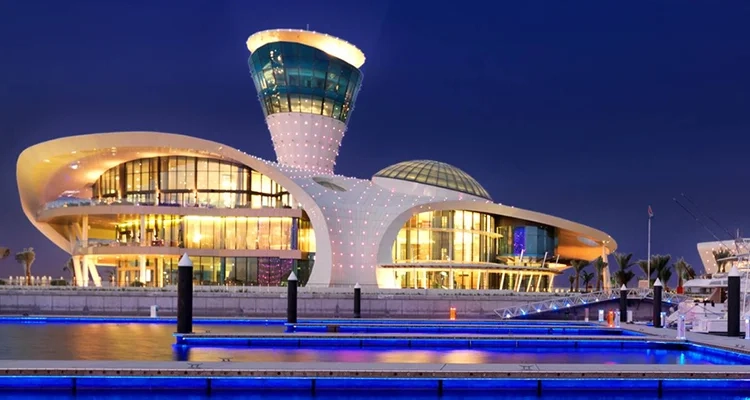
(331, 45)
(44, 171)
(579, 231)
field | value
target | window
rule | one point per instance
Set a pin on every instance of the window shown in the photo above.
(299, 78)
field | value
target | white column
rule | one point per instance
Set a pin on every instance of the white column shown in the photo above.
(539, 283)
(424, 279)
(85, 231)
(549, 282)
(519, 278)
(78, 270)
(143, 230)
(159, 275)
(502, 279)
(531, 279)
(450, 278)
(90, 262)
(142, 267)
(84, 272)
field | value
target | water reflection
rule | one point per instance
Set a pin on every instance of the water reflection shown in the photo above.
(155, 342)
(452, 356)
(112, 341)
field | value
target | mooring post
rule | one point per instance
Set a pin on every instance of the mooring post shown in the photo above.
(733, 303)
(623, 304)
(357, 301)
(657, 303)
(185, 295)
(291, 307)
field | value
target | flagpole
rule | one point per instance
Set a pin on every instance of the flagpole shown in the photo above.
(648, 259)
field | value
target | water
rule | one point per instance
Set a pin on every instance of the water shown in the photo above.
(155, 342)
(86, 341)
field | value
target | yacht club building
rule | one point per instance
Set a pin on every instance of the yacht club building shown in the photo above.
(126, 205)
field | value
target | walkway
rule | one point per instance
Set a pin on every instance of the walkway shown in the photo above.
(583, 299)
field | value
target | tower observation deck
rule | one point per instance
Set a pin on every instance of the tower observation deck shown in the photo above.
(307, 84)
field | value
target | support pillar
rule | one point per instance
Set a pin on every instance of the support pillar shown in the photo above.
(733, 303)
(142, 237)
(159, 275)
(185, 295)
(90, 263)
(450, 279)
(657, 303)
(78, 270)
(142, 268)
(623, 304)
(357, 301)
(291, 305)
(85, 231)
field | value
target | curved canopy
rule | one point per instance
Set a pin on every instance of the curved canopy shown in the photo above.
(332, 45)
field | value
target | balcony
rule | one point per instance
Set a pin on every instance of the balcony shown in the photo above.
(77, 206)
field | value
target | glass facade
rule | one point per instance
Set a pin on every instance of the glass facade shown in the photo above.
(190, 181)
(244, 271)
(292, 77)
(473, 279)
(435, 173)
(473, 237)
(456, 236)
(218, 233)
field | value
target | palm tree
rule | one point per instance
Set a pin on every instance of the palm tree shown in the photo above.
(684, 272)
(624, 275)
(26, 258)
(68, 266)
(718, 255)
(578, 266)
(660, 264)
(643, 265)
(4, 253)
(599, 266)
(587, 277)
(572, 280)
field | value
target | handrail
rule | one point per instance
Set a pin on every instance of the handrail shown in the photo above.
(580, 299)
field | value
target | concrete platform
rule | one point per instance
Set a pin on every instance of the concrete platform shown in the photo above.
(226, 375)
(212, 377)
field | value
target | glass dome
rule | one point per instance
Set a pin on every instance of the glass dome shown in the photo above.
(435, 173)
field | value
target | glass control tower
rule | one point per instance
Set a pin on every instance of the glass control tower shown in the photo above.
(307, 84)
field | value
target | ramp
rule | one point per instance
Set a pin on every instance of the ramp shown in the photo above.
(583, 299)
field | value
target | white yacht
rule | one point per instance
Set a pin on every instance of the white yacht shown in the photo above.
(706, 312)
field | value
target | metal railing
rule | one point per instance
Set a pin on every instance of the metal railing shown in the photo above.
(581, 299)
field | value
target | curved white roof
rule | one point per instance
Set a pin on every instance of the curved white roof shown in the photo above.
(332, 45)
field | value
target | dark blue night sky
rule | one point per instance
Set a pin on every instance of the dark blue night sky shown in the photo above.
(586, 110)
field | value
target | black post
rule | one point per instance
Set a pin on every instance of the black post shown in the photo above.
(623, 304)
(733, 303)
(357, 301)
(291, 305)
(185, 295)
(657, 303)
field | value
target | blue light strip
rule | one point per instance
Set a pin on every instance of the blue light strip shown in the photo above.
(395, 342)
(464, 329)
(36, 384)
(282, 321)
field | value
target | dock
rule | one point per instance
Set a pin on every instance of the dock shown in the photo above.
(227, 376)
